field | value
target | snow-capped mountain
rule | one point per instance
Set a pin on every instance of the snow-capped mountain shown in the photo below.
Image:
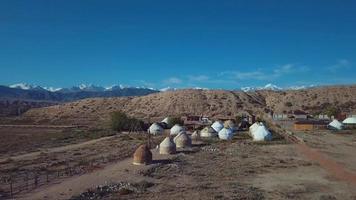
(269, 86)
(82, 91)
(167, 89)
(273, 87)
(23, 86)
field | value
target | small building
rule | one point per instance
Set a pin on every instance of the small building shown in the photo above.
(299, 114)
(196, 120)
(277, 116)
(309, 125)
(323, 117)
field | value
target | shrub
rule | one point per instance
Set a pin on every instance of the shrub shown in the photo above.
(121, 122)
(175, 120)
(332, 111)
(289, 104)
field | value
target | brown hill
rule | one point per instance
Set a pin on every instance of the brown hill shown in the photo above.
(212, 103)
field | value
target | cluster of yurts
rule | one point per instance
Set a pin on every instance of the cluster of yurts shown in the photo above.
(178, 137)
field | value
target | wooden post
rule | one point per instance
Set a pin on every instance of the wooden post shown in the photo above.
(11, 192)
(47, 180)
(36, 179)
(26, 180)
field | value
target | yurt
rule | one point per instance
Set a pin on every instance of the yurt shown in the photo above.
(208, 132)
(261, 133)
(226, 134)
(195, 136)
(167, 146)
(166, 120)
(217, 126)
(253, 127)
(142, 155)
(176, 129)
(350, 122)
(336, 125)
(155, 129)
(182, 140)
(230, 124)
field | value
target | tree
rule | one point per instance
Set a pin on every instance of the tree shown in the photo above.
(332, 111)
(289, 104)
(121, 122)
(175, 120)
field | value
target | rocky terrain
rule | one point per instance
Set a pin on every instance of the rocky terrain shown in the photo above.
(212, 103)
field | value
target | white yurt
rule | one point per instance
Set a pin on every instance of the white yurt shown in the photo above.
(195, 136)
(226, 134)
(217, 126)
(182, 140)
(167, 146)
(261, 133)
(230, 124)
(350, 121)
(208, 132)
(155, 129)
(253, 127)
(165, 120)
(177, 129)
(335, 124)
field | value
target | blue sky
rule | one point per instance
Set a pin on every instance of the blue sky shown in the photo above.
(213, 44)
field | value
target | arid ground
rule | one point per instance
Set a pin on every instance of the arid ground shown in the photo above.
(99, 166)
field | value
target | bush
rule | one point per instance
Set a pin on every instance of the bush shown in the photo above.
(121, 122)
(332, 111)
(175, 120)
(289, 104)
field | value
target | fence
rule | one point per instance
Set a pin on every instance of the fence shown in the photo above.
(18, 182)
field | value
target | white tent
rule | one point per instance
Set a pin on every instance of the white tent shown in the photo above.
(225, 134)
(335, 124)
(350, 120)
(167, 146)
(261, 133)
(176, 129)
(230, 124)
(253, 128)
(208, 132)
(217, 126)
(182, 140)
(165, 120)
(155, 129)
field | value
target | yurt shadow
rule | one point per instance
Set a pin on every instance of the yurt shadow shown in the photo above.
(199, 145)
(187, 151)
(162, 161)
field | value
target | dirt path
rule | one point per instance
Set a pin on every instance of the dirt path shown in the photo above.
(339, 171)
(56, 149)
(120, 171)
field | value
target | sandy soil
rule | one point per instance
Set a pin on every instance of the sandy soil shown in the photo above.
(240, 169)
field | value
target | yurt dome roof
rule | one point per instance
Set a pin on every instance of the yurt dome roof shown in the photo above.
(195, 135)
(166, 120)
(167, 146)
(142, 155)
(253, 127)
(155, 129)
(225, 134)
(182, 140)
(208, 132)
(261, 133)
(217, 126)
(229, 124)
(350, 120)
(176, 129)
(336, 124)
